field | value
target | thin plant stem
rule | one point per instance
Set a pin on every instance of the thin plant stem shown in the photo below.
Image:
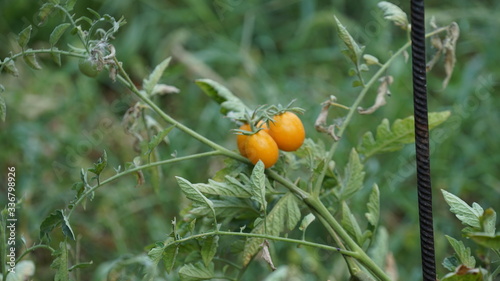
(31, 249)
(264, 236)
(142, 167)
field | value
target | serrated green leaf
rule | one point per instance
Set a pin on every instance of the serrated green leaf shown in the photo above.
(373, 206)
(45, 12)
(49, 223)
(209, 249)
(155, 254)
(155, 76)
(60, 263)
(230, 104)
(284, 216)
(350, 224)
(101, 163)
(229, 207)
(195, 272)
(463, 253)
(354, 51)
(170, 256)
(488, 221)
(57, 33)
(31, 61)
(69, 5)
(466, 214)
(193, 194)
(258, 180)
(394, 13)
(451, 263)
(2, 88)
(306, 221)
(10, 67)
(157, 139)
(402, 132)
(353, 177)
(380, 247)
(234, 189)
(487, 240)
(3, 108)
(56, 57)
(24, 37)
(66, 228)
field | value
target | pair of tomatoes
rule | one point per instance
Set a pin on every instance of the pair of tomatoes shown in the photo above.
(286, 133)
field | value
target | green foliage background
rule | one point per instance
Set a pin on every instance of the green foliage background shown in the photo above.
(266, 52)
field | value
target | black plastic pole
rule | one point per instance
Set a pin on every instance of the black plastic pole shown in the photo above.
(422, 140)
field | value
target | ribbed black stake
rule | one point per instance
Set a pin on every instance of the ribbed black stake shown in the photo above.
(422, 140)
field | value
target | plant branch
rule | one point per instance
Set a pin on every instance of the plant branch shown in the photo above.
(264, 236)
(142, 167)
(31, 249)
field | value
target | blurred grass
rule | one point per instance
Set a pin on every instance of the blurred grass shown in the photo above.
(266, 52)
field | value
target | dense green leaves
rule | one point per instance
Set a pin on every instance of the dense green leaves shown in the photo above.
(394, 138)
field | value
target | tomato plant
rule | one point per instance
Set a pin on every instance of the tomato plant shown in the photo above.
(253, 207)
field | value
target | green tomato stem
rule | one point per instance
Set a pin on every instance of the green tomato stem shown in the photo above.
(264, 236)
(139, 168)
(31, 249)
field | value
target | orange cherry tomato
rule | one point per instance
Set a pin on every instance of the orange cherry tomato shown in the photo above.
(261, 146)
(241, 139)
(287, 131)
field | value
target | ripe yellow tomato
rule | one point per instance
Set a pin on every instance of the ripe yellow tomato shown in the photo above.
(287, 131)
(261, 146)
(241, 139)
